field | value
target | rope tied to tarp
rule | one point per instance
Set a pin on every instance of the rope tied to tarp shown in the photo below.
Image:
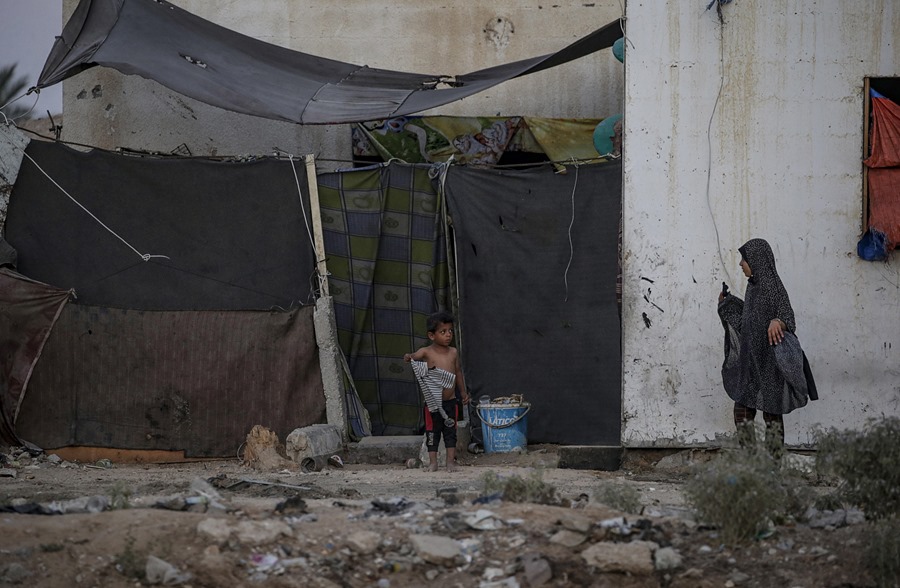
(144, 256)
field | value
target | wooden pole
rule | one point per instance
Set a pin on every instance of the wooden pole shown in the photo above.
(867, 101)
(316, 214)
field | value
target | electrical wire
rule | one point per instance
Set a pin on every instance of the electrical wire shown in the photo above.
(571, 245)
(709, 146)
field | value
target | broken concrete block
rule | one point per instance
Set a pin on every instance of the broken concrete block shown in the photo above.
(314, 441)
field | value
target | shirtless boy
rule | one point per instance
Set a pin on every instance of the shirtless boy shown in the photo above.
(438, 371)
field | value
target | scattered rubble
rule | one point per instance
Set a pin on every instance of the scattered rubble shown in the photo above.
(230, 526)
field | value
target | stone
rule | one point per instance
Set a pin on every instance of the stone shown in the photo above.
(738, 578)
(537, 570)
(632, 558)
(675, 462)
(510, 582)
(667, 558)
(216, 530)
(158, 571)
(575, 522)
(261, 532)
(263, 451)
(13, 573)
(568, 538)
(53, 458)
(364, 542)
(838, 518)
(436, 549)
(484, 520)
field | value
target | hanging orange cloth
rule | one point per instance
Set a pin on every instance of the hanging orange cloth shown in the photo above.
(884, 169)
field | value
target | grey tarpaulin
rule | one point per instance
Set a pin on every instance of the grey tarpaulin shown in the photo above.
(529, 326)
(159, 41)
(234, 233)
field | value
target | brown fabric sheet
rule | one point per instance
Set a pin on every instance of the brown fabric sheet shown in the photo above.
(28, 310)
(196, 381)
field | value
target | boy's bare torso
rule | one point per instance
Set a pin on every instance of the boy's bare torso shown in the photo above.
(445, 358)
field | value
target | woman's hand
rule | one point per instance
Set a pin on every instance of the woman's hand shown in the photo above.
(776, 331)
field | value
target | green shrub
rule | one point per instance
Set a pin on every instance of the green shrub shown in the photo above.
(883, 552)
(739, 493)
(868, 462)
(517, 489)
(119, 496)
(619, 496)
(129, 562)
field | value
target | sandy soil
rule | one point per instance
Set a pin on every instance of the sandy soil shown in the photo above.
(359, 526)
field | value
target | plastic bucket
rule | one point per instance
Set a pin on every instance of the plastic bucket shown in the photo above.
(504, 425)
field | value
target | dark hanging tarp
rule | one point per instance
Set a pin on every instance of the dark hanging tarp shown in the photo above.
(159, 41)
(234, 234)
(28, 310)
(537, 261)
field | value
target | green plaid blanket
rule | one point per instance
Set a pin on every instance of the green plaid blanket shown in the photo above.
(386, 255)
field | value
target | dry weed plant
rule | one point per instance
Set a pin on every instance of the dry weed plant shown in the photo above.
(739, 492)
(867, 463)
(517, 489)
(619, 496)
(883, 553)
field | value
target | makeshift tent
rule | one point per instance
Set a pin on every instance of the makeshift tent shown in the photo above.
(474, 140)
(159, 41)
(384, 240)
(884, 171)
(183, 352)
(189, 351)
(537, 263)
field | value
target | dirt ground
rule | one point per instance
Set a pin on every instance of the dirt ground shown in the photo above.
(388, 526)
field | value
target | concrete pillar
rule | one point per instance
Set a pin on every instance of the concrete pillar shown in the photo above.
(330, 365)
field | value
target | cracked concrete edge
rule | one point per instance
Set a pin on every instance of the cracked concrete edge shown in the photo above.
(12, 151)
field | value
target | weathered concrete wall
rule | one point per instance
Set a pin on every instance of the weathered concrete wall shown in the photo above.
(786, 147)
(107, 109)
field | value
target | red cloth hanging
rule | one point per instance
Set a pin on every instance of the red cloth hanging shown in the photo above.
(884, 204)
(884, 170)
(885, 138)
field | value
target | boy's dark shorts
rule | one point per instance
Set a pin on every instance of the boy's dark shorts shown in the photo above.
(435, 427)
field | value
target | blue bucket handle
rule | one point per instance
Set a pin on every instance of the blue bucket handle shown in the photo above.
(509, 424)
